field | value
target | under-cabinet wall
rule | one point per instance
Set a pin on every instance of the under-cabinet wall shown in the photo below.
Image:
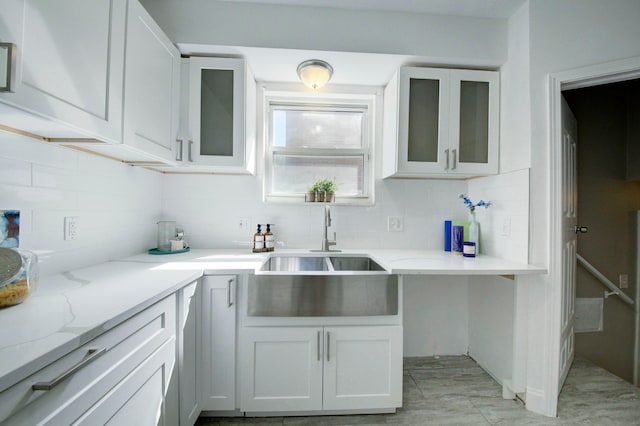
(117, 205)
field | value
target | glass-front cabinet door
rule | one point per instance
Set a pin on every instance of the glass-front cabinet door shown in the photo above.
(219, 112)
(424, 120)
(475, 99)
(447, 123)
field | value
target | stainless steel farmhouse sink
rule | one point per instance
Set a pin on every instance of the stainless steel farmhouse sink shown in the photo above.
(316, 263)
(322, 285)
(295, 264)
(359, 263)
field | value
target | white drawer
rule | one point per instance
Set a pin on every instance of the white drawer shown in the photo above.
(123, 348)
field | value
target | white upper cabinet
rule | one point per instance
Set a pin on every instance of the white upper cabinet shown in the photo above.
(151, 86)
(441, 122)
(69, 64)
(222, 98)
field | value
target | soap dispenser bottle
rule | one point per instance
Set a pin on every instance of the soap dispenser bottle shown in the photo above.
(269, 242)
(258, 240)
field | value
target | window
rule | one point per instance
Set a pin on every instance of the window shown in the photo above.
(307, 139)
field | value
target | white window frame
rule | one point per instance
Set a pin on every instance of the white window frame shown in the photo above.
(356, 99)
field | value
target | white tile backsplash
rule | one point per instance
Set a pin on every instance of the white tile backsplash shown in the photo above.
(116, 205)
(208, 206)
(509, 196)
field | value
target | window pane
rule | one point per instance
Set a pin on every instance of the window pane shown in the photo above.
(296, 173)
(317, 129)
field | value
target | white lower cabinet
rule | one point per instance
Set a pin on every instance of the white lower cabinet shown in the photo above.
(138, 399)
(217, 366)
(121, 376)
(363, 367)
(321, 368)
(281, 369)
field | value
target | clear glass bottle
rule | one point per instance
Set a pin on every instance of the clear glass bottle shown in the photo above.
(166, 233)
(474, 232)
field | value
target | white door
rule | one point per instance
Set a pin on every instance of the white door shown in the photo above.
(151, 86)
(218, 353)
(423, 130)
(139, 399)
(217, 112)
(363, 367)
(569, 240)
(281, 369)
(69, 61)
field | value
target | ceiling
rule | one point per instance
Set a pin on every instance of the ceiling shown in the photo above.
(476, 8)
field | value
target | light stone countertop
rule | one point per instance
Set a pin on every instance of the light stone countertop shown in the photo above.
(69, 309)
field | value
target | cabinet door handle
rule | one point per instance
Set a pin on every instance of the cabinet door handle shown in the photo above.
(93, 354)
(190, 156)
(229, 301)
(446, 166)
(319, 332)
(11, 66)
(455, 159)
(328, 345)
(179, 150)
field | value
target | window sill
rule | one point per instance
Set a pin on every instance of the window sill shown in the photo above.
(339, 201)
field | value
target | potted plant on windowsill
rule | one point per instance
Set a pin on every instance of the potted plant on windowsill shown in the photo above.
(323, 190)
(330, 189)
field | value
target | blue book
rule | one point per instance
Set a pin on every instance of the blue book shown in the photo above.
(447, 235)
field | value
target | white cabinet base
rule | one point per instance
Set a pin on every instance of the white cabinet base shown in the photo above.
(319, 370)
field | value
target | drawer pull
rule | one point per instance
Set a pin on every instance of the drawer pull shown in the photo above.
(229, 301)
(179, 150)
(92, 355)
(328, 343)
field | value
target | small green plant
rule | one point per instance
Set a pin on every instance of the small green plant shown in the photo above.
(324, 185)
(329, 186)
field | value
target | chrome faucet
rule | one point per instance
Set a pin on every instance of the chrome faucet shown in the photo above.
(326, 243)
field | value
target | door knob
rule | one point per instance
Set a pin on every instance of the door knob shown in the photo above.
(580, 229)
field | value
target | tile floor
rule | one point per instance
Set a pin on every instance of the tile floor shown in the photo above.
(454, 390)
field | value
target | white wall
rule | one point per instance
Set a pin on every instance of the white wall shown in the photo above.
(116, 205)
(436, 315)
(447, 39)
(492, 299)
(515, 96)
(563, 35)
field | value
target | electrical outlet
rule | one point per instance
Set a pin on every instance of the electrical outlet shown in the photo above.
(506, 227)
(395, 224)
(244, 223)
(70, 228)
(623, 281)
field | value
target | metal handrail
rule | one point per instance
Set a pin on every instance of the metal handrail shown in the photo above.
(604, 280)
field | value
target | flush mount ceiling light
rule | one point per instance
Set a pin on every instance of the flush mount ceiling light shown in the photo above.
(315, 73)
